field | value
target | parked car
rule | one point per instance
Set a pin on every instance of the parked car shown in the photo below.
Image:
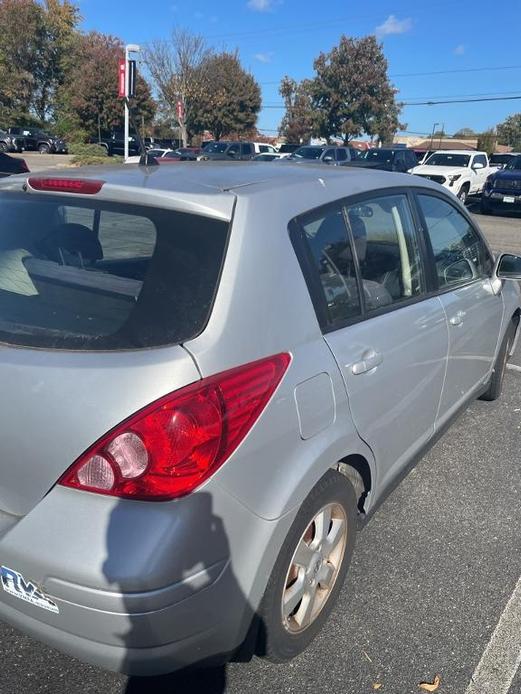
(501, 160)
(226, 151)
(294, 338)
(11, 165)
(38, 140)
(386, 159)
(189, 153)
(321, 154)
(264, 148)
(114, 144)
(462, 172)
(287, 149)
(268, 156)
(9, 143)
(503, 188)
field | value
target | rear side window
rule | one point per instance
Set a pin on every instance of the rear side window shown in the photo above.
(341, 154)
(92, 275)
(387, 250)
(330, 252)
(460, 254)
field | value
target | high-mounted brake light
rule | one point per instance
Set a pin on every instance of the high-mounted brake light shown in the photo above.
(174, 444)
(82, 186)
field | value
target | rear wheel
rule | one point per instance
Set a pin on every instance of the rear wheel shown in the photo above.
(310, 570)
(498, 374)
(43, 148)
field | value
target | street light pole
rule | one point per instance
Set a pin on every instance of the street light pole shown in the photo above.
(130, 48)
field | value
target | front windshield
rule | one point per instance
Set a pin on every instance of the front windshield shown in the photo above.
(379, 155)
(444, 159)
(307, 153)
(217, 147)
(515, 163)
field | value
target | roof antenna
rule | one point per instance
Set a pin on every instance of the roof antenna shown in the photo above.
(145, 159)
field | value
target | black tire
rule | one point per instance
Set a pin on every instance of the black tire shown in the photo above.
(3, 147)
(463, 193)
(275, 641)
(495, 385)
(44, 148)
(484, 208)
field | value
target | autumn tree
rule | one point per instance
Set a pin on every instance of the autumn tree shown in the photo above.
(177, 68)
(232, 100)
(298, 121)
(351, 92)
(509, 132)
(88, 99)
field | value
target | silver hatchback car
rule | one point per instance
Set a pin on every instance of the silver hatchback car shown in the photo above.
(210, 378)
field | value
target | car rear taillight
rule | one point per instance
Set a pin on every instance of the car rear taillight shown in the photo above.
(174, 444)
(82, 186)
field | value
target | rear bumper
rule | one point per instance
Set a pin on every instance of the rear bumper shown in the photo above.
(138, 588)
(205, 625)
(496, 199)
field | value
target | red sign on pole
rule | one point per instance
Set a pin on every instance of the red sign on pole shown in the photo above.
(122, 74)
(180, 110)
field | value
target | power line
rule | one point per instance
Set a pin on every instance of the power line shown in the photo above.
(432, 102)
(439, 72)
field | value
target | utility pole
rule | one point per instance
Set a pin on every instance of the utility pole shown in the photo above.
(433, 131)
(130, 48)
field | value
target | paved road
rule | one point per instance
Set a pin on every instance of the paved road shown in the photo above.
(431, 575)
(43, 162)
(503, 231)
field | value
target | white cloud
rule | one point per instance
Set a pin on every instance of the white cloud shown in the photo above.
(459, 50)
(264, 57)
(261, 5)
(392, 25)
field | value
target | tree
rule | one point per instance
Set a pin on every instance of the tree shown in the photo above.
(487, 141)
(351, 92)
(177, 69)
(89, 100)
(298, 121)
(509, 132)
(35, 43)
(56, 44)
(232, 101)
(465, 132)
(22, 23)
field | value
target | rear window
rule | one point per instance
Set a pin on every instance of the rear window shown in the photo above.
(102, 276)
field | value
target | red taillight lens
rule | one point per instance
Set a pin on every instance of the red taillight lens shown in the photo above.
(174, 444)
(81, 186)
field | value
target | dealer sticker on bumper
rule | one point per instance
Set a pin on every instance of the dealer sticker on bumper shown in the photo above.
(16, 585)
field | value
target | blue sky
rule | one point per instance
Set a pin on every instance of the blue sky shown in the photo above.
(278, 37)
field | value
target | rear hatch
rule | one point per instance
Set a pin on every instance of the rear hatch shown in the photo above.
(96, 299)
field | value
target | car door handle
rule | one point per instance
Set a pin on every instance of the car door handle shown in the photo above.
(370, 360)
(457, 318)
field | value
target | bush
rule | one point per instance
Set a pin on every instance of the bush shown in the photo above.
(84, 155)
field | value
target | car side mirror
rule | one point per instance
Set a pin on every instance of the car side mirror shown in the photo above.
(231, 154)
(508, 267)
(462, 269)
(327, 160)
(477, 165)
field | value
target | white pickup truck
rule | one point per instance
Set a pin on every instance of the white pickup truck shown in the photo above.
(462, 172)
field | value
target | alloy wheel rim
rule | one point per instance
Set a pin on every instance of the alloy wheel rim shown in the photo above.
(314, 568)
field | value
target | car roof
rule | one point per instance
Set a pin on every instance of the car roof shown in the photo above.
(211, 188)
(456, 151)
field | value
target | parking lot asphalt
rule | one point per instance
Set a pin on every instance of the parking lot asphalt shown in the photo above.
(432, 573)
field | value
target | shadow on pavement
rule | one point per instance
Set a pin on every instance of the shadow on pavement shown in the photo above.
(202, 681)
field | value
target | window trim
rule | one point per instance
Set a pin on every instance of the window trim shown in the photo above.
(312, 278)
(437, 290)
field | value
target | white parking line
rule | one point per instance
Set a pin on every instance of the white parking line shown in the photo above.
(502, 656)
(513, 367)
